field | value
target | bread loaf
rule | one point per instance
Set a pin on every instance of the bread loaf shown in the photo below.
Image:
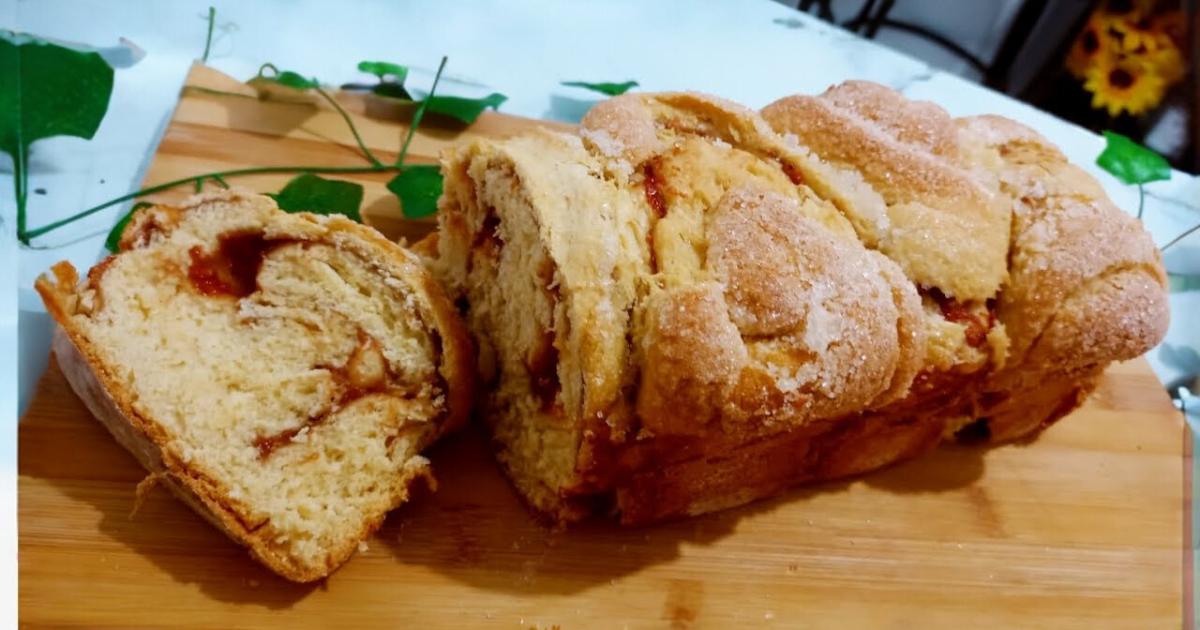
(279, 372)
(689, 305)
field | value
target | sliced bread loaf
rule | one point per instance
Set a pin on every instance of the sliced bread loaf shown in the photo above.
(279, 372)
(688, 305)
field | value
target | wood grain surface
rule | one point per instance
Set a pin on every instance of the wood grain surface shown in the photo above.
(1080, 528)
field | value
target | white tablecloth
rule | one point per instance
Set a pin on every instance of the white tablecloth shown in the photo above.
(750, 51)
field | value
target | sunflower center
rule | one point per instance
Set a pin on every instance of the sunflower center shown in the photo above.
(1120, 78)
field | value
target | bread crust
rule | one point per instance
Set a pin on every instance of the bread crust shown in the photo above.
(112, 401)
(839, 284)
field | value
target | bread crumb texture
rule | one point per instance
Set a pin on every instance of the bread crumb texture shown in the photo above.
(288, 366)
(692, 299)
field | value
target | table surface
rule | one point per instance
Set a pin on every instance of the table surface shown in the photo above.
(1080, 528)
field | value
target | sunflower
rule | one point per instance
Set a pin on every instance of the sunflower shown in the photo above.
(1089, 45)
(1124, 84)
(1138, 34)
(1167, 63)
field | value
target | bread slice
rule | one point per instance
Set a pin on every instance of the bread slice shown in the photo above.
(280, 373)
(689, 305)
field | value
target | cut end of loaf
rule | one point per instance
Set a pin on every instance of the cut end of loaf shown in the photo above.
(283, 371)
(514, 273)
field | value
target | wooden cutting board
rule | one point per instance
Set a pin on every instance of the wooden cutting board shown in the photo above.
(1081, 528)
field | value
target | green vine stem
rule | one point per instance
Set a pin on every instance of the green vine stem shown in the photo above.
(212, 17)
(207, 90)
(353, 130)
(420, 113)
(337, 107)
(21, 187)
(1185, 234)
(218, 176)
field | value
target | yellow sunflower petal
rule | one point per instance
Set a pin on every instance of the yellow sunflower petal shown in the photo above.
(1126, 85)
(1091, 43)
(1137, 34)
(1168, 63)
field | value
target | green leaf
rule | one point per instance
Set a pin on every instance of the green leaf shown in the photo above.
(46, 90)
(310, 193)
(418, 188)
(464, 109)
(49, 91)
(611, 89)
(391, 90)
(383, 69)
(1130, 162)
(283, 85)
(294, 80)
(114, 235)
(391, 79)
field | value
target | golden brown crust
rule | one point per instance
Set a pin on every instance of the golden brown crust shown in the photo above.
(692, 352)
(915, 123)
(817, 311)
(1067, 237)
(622, 129)
(816, 318)
(814, 301)
(109, 396)
(908, 155)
